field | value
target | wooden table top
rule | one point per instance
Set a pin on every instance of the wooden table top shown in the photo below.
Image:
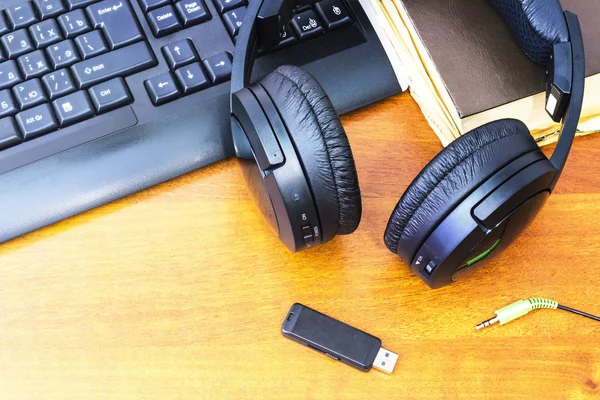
(180, 291)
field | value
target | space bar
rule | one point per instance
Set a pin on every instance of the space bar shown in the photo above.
(122, 62)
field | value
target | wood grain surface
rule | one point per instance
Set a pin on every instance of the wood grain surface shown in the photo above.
(179, 292)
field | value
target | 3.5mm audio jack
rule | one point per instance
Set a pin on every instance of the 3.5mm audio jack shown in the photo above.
(522, 307)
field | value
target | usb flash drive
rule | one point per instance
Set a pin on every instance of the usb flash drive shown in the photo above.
(337, 340)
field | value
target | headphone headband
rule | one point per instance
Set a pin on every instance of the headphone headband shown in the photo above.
(246, 48)
(263, 18)
(573, 78)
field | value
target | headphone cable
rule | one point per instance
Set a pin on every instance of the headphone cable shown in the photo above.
(522, 307)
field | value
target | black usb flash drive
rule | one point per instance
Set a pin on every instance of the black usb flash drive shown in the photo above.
(337, 340)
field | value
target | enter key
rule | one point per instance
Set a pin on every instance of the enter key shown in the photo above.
(117, 21)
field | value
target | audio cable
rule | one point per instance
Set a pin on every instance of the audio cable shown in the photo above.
(522, 307)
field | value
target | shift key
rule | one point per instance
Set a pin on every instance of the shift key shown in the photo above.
(117, 21)
(122, 62)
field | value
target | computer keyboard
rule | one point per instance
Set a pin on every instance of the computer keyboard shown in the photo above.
(101, 98)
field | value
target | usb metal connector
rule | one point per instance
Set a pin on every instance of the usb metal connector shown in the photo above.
(385, 360)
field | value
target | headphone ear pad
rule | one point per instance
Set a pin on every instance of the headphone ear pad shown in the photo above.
(537, 24)
(452, 175)
(322, 146)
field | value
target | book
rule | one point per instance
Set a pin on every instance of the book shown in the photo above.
(387, 42)
(465, 67)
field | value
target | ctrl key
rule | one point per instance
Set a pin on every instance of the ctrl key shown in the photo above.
(162, 89)
(110, 95)
(36, 121)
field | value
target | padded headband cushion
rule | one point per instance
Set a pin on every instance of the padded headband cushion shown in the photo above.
(452, 175)
(322, 146)
(538, 25)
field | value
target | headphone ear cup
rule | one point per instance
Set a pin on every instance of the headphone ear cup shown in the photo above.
(452, 175)
(537, 24)
(322, 146)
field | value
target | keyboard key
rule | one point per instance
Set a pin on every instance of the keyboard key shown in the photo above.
(117, 21)
(73, 4)
(162, 89)
(307, 25)
(36, 121)
(7, 104)
(191, 78)
(9, 134)
(218, 67)
(180, 53)
(233, 20)
(334, 13)
(3, 25)
(73, 108)
(91, 44)
(33, 64)
(73, 23)
(9, 74)
(17, 43)
(287, 37)
(149, 5)
(45, 33)
(192, 12)
(62, 54)
(227, 5)
(58, 83)
(122, 62)
(163, 21)
(110, 95)
(22, 15)
(49, 8)
(29, 94)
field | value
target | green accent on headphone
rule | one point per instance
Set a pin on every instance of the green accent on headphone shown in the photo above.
(483, 255)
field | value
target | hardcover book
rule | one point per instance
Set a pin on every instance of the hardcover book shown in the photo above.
(465, 67)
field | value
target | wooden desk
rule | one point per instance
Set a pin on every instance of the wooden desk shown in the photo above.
(180, 291)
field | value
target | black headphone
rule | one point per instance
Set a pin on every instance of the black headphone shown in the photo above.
(471, 201)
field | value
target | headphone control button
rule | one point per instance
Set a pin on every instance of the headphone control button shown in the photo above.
(307, 234)
(430, 267)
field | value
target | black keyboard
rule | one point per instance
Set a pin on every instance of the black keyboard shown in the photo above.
(102, 98)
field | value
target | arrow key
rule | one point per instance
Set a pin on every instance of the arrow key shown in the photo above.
(191, 78)
(162, 89)
(218, 67)
(180, 53)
